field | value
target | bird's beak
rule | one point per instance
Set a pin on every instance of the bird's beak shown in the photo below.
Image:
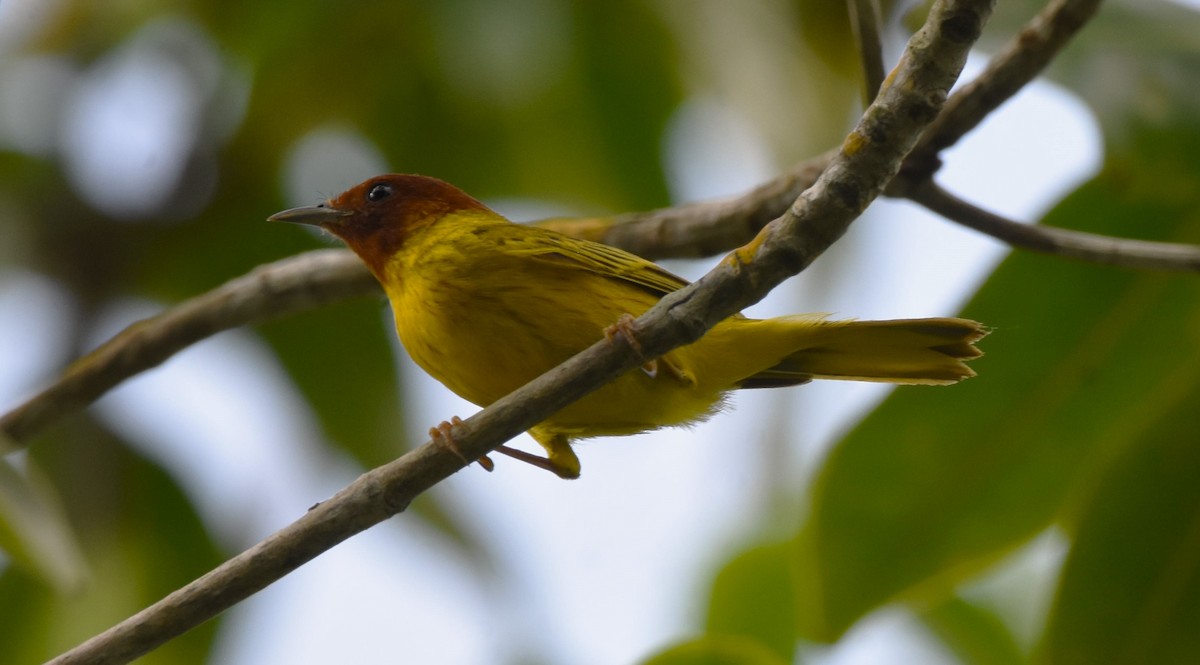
(318, 215)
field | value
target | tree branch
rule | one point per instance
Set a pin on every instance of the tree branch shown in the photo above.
(869, 158)
(1059, 242)
(311, 280)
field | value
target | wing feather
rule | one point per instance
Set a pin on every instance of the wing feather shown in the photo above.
(601, 259)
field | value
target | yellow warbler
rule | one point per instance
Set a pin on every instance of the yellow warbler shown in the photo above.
(485, 305)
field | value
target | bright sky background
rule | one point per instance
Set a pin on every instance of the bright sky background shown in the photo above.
(599, 570)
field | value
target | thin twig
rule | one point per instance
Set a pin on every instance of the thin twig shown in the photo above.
(865, 19)
(1059, 242)
(869, 159)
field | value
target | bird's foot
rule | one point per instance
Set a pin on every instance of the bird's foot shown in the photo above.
(625, 327)
(444, 435)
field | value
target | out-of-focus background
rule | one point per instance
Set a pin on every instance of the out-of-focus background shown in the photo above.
(1043, 512)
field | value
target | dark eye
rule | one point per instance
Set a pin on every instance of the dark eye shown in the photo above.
(379, 192)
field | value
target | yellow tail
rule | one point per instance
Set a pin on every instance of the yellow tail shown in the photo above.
(920, 351)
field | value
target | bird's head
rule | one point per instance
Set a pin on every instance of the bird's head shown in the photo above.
(377, 217)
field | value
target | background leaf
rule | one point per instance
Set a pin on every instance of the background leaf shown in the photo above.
(973, 633)
(34, 531)
(1130, 588)
(748, 599)
(717, 650)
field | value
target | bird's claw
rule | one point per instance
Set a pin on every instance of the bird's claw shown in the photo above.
(625, 327)
(443, 434)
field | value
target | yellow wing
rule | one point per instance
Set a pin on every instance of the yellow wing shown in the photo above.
(612, 263)
(596, 258)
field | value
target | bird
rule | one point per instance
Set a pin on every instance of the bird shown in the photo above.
(485, 305)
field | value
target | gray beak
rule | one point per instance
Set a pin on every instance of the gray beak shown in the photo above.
(318, 215)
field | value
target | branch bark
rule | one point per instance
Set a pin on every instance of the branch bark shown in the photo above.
(869, 158)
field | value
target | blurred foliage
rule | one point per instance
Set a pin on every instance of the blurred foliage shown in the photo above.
(1130, 588)
(1085, 422)
(142, 540)
(1093, 380)
(750, 597)
(33, 530)
(718, 650)
(975, 634)
(1022, 446)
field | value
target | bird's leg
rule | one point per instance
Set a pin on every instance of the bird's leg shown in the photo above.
(560, 459)
(539, 462)
(442, 434)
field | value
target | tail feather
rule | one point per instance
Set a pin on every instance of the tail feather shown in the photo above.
(913, 351)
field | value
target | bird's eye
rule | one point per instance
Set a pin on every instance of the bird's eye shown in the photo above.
(379, 192)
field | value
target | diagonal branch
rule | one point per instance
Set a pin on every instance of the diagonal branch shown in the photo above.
(869, 158)
(273, 290)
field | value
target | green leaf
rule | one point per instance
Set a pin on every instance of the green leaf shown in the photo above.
(34, 532)
(825, 27)
(639, 75)
(752, 596)
(717, 650)
(976, 635)
(936, 484)
(1130, 590)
